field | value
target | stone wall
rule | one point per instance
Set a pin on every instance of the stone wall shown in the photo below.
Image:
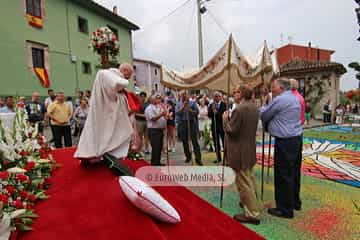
(324, 86)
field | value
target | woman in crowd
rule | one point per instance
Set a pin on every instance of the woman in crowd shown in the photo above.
(80, 115)
(203, 116)
(171, 128)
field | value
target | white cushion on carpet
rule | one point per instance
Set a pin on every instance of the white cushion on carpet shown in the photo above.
(147, 199)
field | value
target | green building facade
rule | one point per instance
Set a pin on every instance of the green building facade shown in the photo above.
(65, 36)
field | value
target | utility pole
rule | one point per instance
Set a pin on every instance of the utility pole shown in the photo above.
(200, 10)
(357, 10)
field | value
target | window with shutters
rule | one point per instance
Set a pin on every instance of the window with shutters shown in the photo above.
(33, 8)
(38, 57)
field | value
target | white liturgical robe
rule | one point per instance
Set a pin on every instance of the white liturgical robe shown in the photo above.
(107, 128)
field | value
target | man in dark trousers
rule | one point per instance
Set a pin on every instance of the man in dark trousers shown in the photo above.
(36, 111)
(215, 112)
(282, 118)
(156, 123)
(186, 113)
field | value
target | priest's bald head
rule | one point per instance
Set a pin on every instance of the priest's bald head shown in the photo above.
(127, 70)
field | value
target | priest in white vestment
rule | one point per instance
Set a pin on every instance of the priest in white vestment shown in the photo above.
(108, 128)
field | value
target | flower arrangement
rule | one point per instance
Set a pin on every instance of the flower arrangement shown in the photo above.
(25, 167)
(105, 42)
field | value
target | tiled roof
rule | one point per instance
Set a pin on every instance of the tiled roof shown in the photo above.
(303, 66)
(90, 4)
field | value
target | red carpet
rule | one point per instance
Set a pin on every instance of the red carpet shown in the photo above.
(89, 204)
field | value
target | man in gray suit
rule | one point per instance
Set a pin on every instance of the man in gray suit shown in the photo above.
(188, 126)
(240, 127)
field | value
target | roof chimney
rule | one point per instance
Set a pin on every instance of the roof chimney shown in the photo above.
(309, 52)
(318, 54)
(115, 10)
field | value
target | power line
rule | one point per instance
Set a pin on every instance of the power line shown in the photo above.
(163, 18)
(217, 22)
(191, 22)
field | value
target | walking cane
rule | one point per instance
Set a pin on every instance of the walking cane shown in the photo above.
(216, 138)
(268, 161)
(189, 137)
(228, 92)
(167, 145)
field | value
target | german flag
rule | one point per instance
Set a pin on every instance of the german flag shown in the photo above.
(34, 21)
(42, 74)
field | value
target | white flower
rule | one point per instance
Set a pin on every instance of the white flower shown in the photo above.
(16, 170)
(42, 161)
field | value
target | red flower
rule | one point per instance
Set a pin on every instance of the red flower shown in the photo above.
(4, 175)
(18, 204)
(40, 186)
(6, 162)
(10, 189)
(21, 177)
(24, 153)
(47, 181)
(23, 194)
(21, 105)
(4, 199)
(29, 206)
(44, 153)
(40, 140)
(29, 166)
(32, 198)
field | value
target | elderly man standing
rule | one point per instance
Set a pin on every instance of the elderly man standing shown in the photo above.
(282, 118)
(215, 113)
(156, 123)
(186, 118)
(60, 114)
(240, 151)
(36, 111)
(294, 88)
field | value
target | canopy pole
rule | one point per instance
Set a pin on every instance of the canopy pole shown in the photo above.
(228, 92)
(263, 135)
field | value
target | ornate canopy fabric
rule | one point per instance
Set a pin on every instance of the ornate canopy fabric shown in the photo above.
(227, 68)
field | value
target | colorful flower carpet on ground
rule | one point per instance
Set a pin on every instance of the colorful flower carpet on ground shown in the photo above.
(330, 210)
(336, 159)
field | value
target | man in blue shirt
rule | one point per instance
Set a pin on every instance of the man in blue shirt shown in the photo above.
(282, 119)
(9, 105)
(187, 123)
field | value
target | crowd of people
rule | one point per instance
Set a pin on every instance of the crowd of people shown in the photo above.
(234, 122)
(340, 111)
(65, 117)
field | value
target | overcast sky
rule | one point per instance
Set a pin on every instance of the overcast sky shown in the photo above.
(329, 24)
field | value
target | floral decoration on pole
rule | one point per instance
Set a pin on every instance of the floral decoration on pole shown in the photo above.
(104, 42)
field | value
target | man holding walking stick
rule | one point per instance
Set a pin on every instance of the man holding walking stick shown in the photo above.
(282, 118)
